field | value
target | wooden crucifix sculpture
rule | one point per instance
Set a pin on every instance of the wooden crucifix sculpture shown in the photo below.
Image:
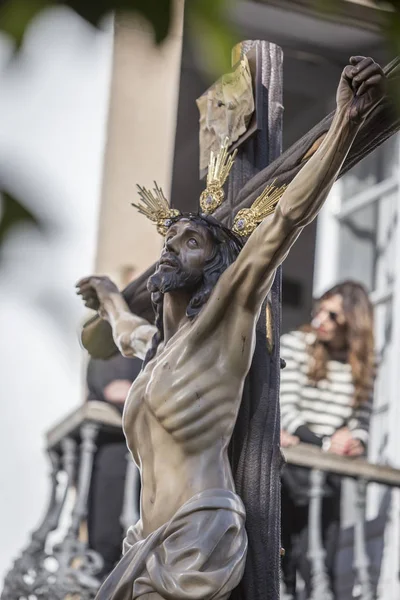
(209, 375)
(380, 125)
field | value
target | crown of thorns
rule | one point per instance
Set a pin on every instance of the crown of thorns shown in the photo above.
(155, 206)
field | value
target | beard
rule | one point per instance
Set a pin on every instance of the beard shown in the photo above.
(172, 279)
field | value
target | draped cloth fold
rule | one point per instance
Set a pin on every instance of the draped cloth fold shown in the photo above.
(199, 554)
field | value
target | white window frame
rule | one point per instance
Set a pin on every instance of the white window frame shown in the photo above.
(326, 274)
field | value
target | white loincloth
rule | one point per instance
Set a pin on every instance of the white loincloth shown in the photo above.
(199, 554)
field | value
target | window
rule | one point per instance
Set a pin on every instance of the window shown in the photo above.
(359, 233)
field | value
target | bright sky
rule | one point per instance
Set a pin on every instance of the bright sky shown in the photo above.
(53, 107)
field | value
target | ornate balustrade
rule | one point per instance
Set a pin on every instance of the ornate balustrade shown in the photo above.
(68, 570)
(320, 464)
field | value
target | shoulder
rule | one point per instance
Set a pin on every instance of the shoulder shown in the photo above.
(297, 339)
(295, 344)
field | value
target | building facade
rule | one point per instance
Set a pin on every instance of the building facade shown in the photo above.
(152, 134)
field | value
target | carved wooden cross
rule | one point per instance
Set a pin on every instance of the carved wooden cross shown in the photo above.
(254, 451)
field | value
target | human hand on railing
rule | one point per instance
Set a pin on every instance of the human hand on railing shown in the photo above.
(340, 441)
(344, 444)
(355, 448)
(288, 440)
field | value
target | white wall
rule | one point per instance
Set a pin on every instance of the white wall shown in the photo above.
(53, 107)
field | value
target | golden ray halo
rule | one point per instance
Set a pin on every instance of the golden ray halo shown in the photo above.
(219, 167)
(247, 219)
(155, 207)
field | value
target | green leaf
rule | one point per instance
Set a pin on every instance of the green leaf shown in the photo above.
(157, 12)
(13, 213)
(212, 33)
(392, 31)
(15, 16)
(325, 6)
(394, 4)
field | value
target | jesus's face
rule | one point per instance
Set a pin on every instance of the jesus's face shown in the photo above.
(188, 246)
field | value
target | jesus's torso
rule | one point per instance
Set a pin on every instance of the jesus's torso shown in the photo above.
(179, 417)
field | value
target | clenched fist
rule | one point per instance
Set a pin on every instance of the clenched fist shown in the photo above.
(361, 87)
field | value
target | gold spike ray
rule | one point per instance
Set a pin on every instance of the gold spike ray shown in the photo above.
(219, 168)
(247, 219)
(155, 207)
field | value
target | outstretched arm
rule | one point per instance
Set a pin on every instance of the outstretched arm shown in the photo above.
(359, 91)
(132, 334)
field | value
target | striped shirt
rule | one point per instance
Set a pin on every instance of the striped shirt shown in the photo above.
(325, 406)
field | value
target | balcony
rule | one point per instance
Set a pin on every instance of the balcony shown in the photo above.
(68, 569)
(356, 573)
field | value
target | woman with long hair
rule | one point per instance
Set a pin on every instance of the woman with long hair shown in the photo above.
(326, 400)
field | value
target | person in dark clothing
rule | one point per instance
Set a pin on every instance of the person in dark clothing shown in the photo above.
(109, 381)
(294, 536)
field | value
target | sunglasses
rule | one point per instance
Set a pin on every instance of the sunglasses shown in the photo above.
(332, 315)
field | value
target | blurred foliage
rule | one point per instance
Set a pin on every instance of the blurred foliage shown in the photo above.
(208, 25)
(392, 24)
(211, 32)
(13, 213)
(390, 16)
(207, 19)
(15, 15)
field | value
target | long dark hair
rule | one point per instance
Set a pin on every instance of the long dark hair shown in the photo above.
(358, 311)
(226, 249)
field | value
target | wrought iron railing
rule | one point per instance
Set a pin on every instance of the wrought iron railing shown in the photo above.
(363, 472)
(68, 570)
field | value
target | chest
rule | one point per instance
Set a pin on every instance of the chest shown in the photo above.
(176, 379)
(336, 387)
